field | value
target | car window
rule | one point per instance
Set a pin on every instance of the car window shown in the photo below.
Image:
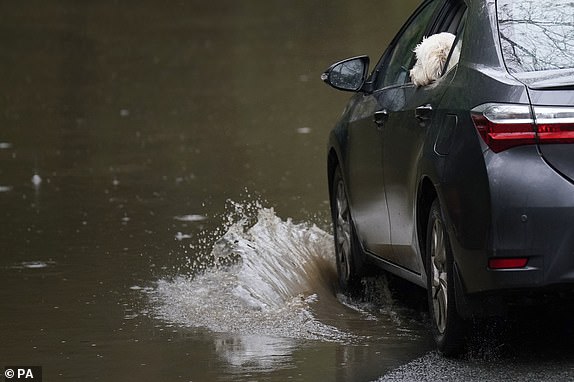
(450, 18)
(455, 51)
(399, 59)
(536, 34)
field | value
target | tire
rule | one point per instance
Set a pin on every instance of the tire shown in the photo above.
(348, 253)
(448, 328)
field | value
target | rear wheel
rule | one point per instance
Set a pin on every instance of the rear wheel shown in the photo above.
(449, 330)
(347, 250)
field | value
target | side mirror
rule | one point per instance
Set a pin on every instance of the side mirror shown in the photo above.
(348, 75)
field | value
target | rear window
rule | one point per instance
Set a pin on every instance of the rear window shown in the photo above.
(536, 35)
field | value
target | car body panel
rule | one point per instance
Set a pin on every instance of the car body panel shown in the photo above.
(365, 177)
(404, 138)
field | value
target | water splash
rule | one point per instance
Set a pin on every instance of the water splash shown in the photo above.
(263, 276)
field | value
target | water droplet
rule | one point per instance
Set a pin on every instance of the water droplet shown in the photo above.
(34, 264)
(181, 236)
(36, 180)
(190, 218)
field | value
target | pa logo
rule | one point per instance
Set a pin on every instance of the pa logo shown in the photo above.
(23, 373)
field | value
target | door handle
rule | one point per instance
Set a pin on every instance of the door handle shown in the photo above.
(381, 117)
(423, 113)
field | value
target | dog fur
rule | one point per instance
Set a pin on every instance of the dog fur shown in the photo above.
(431, 56)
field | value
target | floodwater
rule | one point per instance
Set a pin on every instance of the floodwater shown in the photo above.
(163, 203)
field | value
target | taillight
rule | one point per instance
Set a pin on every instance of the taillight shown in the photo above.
(503, 126)
(507, 263)
(555, 124)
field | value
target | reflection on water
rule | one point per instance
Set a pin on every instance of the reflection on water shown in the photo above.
(255, 353)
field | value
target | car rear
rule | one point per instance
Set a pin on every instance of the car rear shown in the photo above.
(529, 154)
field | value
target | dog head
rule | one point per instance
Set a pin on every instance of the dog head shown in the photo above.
(431, 56)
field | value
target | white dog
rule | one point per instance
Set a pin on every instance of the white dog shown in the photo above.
(431, 55)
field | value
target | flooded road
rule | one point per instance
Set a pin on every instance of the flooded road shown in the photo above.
(163, 198)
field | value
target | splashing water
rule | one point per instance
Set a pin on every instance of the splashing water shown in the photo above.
(262, 279)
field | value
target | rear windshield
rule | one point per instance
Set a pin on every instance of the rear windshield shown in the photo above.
(536, 34)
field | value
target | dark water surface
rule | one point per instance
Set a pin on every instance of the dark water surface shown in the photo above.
(125, 127)
(163, 204)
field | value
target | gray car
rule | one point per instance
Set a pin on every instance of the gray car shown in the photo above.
(464, 186)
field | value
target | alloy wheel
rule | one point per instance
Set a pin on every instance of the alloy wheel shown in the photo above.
(439, 284)
(343, 231)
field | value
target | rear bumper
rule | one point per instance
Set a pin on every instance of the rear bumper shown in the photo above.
(532, 216)
(500, 302)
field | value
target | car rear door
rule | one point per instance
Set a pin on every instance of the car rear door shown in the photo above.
(404, 136)
(390, 96)
(364, 162)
